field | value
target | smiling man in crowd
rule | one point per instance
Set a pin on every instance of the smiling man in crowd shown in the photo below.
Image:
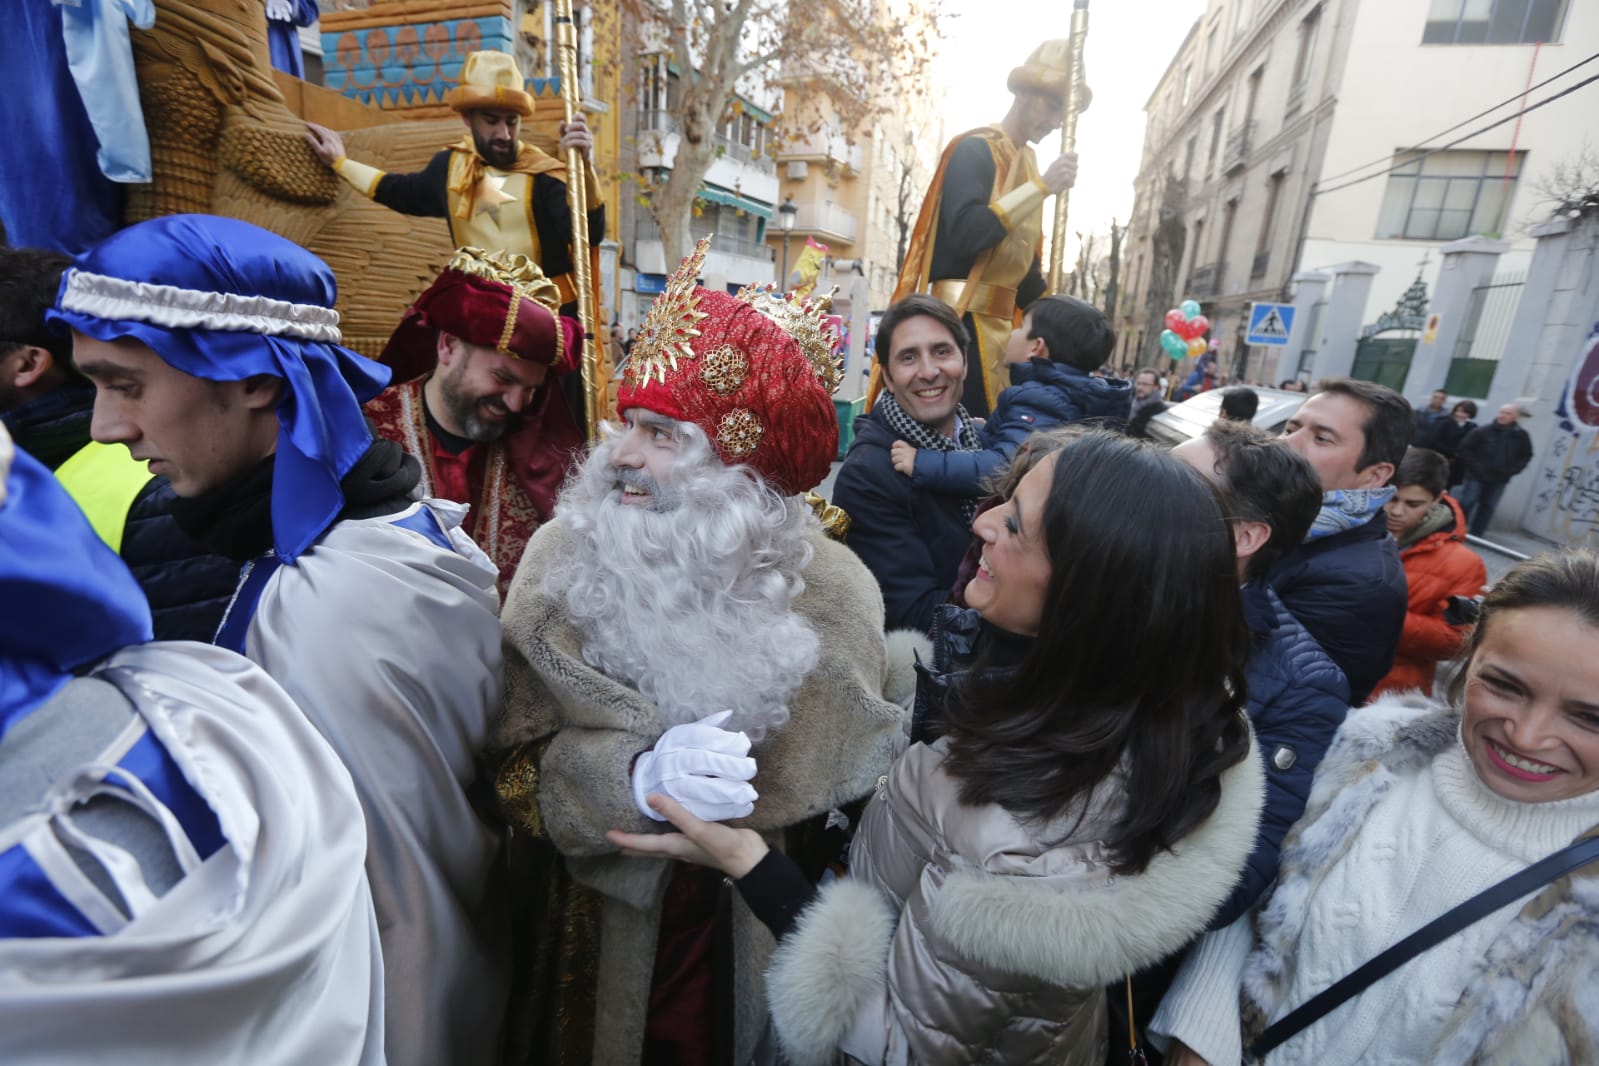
(475, 363)
(910, 538)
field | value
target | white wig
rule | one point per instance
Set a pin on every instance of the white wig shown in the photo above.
(690, 600)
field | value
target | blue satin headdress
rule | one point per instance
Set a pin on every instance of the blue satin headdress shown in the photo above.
(66, 599)
(224, 300)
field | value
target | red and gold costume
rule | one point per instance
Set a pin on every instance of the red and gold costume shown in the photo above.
(501, 302)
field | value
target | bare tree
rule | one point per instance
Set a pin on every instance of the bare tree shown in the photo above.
(845, 52)
(907, 199)
(1113, 286)
(1166, 256)
(1569, 189)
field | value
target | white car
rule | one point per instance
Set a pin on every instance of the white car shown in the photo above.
(1190, 419)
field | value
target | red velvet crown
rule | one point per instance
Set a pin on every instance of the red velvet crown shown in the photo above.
(493, 300)
(755, 372)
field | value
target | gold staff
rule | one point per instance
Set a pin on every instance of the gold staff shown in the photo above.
(577, 201)
(1068, 141)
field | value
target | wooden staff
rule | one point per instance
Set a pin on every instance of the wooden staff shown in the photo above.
(577, 201)
(1068, 141)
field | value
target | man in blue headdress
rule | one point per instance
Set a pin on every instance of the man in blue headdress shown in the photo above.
(180, 852)
(214, 348)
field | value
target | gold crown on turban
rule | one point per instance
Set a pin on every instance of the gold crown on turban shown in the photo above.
(491, 80)
(1047, 71)
(508, 268)
(805, 321)
(671, 324)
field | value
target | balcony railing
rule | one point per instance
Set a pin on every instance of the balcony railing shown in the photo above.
(644, 229)
(658, 121)
(825, 218)
(1205, 280)
(1237, 152)
(745, 154)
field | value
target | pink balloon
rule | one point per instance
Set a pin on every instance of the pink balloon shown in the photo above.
(1200, 325)
(1175, 321)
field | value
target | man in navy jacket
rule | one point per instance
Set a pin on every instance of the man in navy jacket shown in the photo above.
(911, 539)
(1345, 582)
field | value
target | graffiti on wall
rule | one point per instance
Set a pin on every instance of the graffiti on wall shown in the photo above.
(1565, 503)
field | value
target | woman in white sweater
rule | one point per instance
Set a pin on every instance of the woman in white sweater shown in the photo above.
(1417, 807)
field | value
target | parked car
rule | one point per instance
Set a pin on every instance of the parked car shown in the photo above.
(1192, 417)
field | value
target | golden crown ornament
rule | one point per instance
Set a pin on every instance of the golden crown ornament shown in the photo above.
(671, 324)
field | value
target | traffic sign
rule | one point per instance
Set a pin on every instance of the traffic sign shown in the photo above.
(1269, 323)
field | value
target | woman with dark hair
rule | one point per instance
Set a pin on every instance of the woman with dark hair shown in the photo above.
(1419, 806)
(1443, 435)
(1441, 572)
(1090, 804)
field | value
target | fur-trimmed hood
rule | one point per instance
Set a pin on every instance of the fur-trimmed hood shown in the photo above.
(1532, 999)
(961, 925)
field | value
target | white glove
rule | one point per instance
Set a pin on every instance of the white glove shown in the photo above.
(701, 765)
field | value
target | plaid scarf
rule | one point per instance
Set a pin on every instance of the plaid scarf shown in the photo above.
(920, 435)
(1343, 509)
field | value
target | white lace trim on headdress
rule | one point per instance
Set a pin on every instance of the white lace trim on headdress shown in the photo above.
(173, 308)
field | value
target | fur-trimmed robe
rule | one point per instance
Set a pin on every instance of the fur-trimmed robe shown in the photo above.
(1533, 998)
(964, 936)
(568, 736)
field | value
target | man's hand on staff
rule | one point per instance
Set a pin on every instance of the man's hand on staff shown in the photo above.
(328, 146)
(576, 134)
(1061, 173)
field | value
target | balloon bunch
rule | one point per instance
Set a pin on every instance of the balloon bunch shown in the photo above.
(1185, 331)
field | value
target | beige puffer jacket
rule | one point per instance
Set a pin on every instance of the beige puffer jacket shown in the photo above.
(963, 936)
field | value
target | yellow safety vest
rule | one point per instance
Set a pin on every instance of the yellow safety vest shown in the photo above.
(104, 480)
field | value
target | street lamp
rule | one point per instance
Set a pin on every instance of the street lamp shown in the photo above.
(785, 222)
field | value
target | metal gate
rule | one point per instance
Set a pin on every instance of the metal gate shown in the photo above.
(1385, 357)
(1483, 335)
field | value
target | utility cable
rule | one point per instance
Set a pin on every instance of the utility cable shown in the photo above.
(1444, 133)
(1462, 140)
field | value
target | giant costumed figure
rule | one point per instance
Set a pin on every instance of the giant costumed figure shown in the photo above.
(977, 239)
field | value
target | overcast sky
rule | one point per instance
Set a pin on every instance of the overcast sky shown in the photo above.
(1129, 44)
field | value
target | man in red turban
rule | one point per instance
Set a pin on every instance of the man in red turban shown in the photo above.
(473, 363)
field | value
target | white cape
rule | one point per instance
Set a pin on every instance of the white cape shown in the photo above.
(266, 952)
(389, 639)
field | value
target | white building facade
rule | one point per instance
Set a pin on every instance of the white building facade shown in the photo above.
(1314, 136)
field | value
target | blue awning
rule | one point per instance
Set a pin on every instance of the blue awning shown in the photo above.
(711, 194)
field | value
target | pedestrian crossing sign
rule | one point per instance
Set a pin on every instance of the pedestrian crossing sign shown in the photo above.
(1269, 323)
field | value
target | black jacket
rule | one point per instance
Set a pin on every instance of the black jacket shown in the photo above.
(910, 539)
(426, 193)
(1495, 453)
(1349, 591)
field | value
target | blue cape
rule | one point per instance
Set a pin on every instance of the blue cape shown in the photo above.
(66, 599)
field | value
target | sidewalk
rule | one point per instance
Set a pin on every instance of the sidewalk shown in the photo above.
(1502, 548)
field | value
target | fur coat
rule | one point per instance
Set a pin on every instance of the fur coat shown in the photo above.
(963, 935)
(1530, 999)
(568, 735)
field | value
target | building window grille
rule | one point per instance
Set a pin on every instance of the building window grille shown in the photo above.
(1448, 195)
(1215, 142)
(1494, 21)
